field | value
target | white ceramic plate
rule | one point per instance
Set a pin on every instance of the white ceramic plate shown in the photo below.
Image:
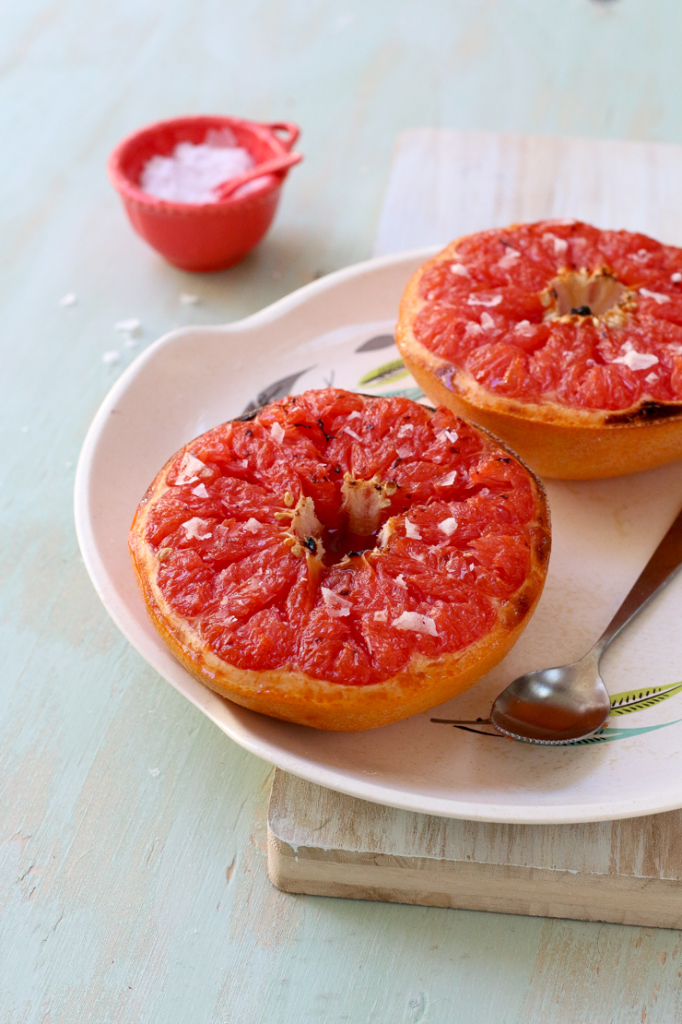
(338, 331)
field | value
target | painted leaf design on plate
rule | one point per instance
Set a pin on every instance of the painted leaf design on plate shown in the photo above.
(377, 342)
(386, 373)
(278, 389)
(413, 393)
(636, 700)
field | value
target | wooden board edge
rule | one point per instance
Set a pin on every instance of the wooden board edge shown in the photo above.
(534, 892)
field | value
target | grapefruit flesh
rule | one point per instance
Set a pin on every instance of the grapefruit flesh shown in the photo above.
(341, 560)
(500, 314)
(562, 323)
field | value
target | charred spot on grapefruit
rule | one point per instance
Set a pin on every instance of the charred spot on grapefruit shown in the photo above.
(561, 338)
(341, 561)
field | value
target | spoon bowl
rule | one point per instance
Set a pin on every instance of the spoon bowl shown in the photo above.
(554, 705)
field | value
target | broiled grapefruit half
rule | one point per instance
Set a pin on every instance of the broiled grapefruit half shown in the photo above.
(341, 561)
(562, 339)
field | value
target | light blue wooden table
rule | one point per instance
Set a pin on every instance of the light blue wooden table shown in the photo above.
(133, 885)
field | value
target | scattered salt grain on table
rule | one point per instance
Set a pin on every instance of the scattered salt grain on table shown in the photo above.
(188, 300)
(129, 326)
(192, 172)
(68, 300)
(111, 357)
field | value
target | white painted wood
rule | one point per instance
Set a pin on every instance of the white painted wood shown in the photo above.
(324, 843)
(447, 183)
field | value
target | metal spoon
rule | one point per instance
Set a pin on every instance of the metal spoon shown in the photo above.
(570, 703)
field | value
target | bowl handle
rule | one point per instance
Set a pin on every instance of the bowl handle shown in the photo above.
(292, 132)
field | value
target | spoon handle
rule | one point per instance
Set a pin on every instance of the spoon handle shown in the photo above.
(660, 568)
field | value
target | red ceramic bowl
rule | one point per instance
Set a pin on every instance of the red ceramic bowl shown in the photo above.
(200, 236)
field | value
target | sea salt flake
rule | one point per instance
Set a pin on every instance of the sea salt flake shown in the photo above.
(277, 433)
(448, 526)
(193, 528)
(676, 277)
(385, 533)
(400, 580)
(192, 172)
(449, 435)
(637, 360)
(129, 326)
(560, 244)
(524, 328)
(111, 357)
(651, 378)
(472, 329)
(474, 300)
(447, 480)
(381, 616)
(347, 430)
(187, 299)
(403, 452)
(252, 525)
(189, 469)
(658, 297)
(354, 415)
(200, 491)
(406, 430)
(337, 606)
(412, 530)
(459, 270)
(416, 623)
(68, 300)
(487, 322)
(509, 259)
(154, 772)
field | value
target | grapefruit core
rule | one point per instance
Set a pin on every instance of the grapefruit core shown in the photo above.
(341, 561)
(563, 339)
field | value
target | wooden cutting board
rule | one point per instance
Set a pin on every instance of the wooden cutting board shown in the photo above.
(444, 184)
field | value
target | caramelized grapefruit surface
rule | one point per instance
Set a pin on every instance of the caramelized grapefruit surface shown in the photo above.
(341, 561)
(560, 325)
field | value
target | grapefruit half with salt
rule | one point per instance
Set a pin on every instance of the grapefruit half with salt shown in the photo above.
(563, 339)
(341, 561)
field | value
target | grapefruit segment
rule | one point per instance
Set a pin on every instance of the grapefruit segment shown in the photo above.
(341, 561)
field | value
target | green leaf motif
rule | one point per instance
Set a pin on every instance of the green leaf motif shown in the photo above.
(413, 393)
(386, 373)
(637, 700)
(611, 733)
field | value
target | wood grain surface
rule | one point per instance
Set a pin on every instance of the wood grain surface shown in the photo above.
(133, 882)
(328, 844)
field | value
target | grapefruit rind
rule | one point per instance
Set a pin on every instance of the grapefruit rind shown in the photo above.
(555, 440)
(295, 696)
